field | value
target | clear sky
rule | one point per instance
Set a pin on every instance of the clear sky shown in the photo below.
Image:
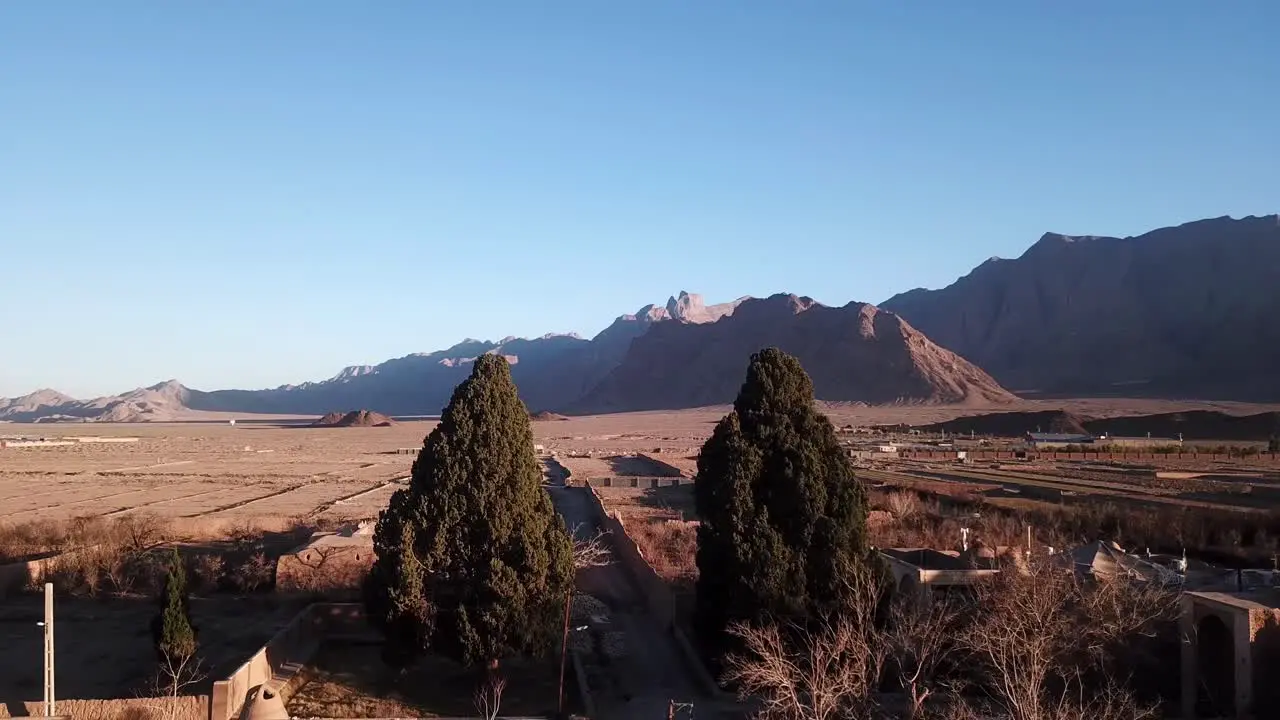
(244, 194)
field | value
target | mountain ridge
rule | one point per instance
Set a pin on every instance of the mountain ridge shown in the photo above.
(1181, 311)
(557, 370)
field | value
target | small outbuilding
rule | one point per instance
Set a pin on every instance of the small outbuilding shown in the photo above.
(920, 570)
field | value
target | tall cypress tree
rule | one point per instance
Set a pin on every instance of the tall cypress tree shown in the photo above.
(783, 517)
(472, 560)
(171, 630)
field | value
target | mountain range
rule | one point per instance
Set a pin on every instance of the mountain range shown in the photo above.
(683, 354)
(1191, 311)
(1181, 312)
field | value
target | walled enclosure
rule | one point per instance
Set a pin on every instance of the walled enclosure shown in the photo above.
(658, 598)
(279, 661)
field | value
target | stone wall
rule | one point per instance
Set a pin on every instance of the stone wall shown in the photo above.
(324, 568)
(18, 576)
(657, 596)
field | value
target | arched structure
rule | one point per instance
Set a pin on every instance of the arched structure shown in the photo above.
(1229, 641)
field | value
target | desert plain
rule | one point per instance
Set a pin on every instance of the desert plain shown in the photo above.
(212, 476)
(212, 482)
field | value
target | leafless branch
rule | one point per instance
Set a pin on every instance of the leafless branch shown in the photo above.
(175, 675)
(589, 552)
(826, 669)
(920, 637)
(1040, 628)
(488, 696)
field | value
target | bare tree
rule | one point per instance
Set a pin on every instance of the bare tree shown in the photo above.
(1040, 628)
(488, 696)
(921, 637)
(589, 552)
(177, 672)
(824, 669)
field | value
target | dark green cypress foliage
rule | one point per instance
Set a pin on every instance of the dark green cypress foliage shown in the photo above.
(472, 560)
(171, 630)
(783, 518)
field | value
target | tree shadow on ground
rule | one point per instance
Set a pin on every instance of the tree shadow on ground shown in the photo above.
(676, 500)
(348, 679)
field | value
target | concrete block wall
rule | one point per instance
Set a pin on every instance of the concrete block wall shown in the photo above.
(642, 482)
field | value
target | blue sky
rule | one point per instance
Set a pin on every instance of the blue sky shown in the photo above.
(243, 194)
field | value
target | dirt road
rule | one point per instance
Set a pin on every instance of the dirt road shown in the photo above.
(653, 672)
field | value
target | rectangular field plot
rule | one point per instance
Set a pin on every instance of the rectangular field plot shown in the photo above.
(366, 505)
(202, 503)
(73, 499)
(298, 501)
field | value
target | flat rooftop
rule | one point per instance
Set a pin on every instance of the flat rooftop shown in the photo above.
(927, 558)
(1259, 599)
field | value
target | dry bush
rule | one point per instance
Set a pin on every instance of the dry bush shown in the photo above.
(824, 669)
(487, 698)
(23, 540)
(670, 546)
(904, 504)
(1044, 641)
(136, 712)
(323, 569)
(921, 638)
(589, 552)
(245, 536)
(254, 573)
(98, 555)
(207, 569)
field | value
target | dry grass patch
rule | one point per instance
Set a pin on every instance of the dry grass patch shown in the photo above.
(670, 546)
(351, 681)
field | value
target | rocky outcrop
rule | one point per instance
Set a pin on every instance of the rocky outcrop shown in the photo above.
(1186, 311)
(853, 353)
(355, 418)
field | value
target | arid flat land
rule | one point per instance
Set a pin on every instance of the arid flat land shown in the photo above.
(209, 476)
(213, 475)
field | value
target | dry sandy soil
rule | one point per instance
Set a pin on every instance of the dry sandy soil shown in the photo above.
(212, 475)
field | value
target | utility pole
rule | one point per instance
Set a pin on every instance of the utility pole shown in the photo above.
(48, 650)
(564, 650)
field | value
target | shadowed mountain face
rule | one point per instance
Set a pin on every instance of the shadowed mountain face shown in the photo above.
(683, 354)
(1186, 311)
(852, 353)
